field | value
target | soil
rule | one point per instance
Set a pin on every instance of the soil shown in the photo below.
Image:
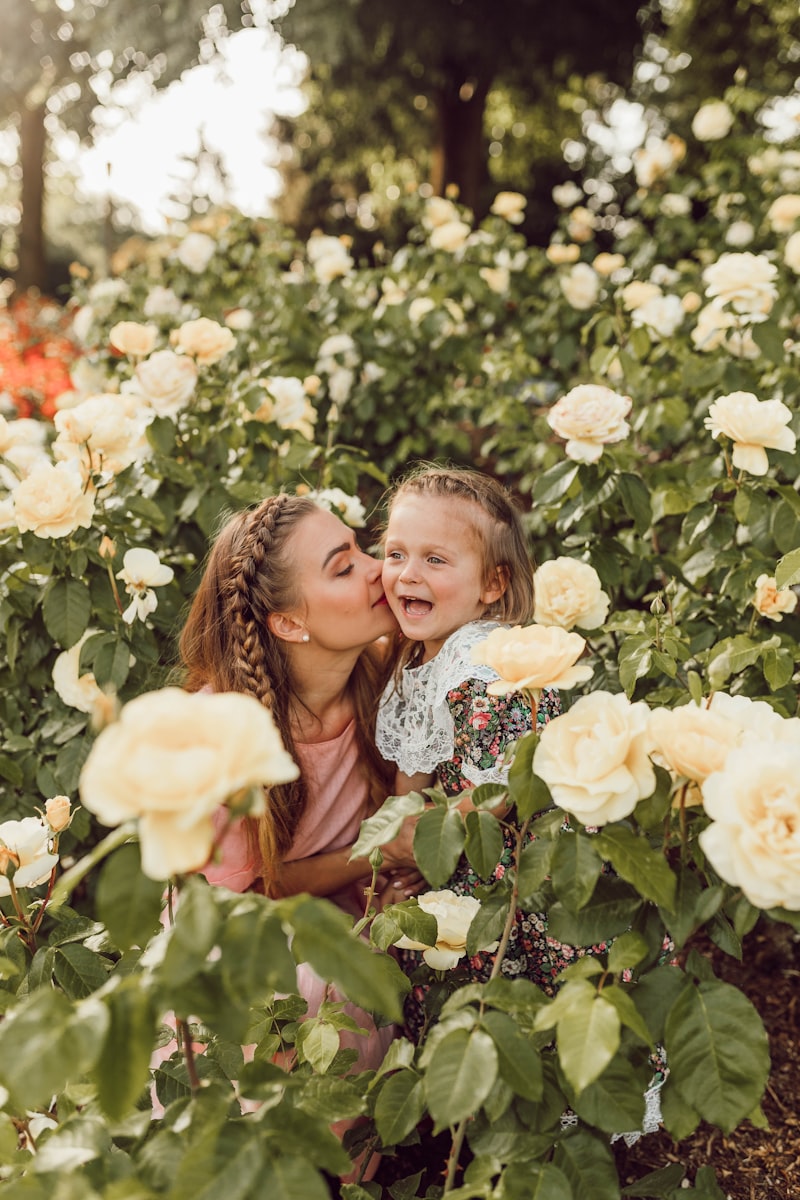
(750, 1163)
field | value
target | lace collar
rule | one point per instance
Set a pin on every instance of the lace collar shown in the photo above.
(414, 728)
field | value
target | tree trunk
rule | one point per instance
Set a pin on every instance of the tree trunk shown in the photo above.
(32, 268)
(459, 158)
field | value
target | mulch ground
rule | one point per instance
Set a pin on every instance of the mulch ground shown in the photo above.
(750, 1163)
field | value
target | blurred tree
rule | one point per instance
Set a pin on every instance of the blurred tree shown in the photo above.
(60, 60)
(394, 87)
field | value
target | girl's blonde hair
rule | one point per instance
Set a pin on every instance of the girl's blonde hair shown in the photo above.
(226, 644)
(498, 526)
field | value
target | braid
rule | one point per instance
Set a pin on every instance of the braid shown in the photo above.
(246, 632)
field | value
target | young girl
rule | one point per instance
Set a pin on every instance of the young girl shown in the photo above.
(456, 566)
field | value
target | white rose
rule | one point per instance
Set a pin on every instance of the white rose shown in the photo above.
(419, 308)
(26, 842)
(329, 257)
(589, 417)
(337, 350)
(196, 251)
(772, 601)
(581, 224)
(161, 302)
(675, 204)
(103, 433)
(349, 508)
(752, 425)
(791, 252)
(133, 339)
(569, 593)
(510, 205)
(753, 841)
(713, 324)
(23, 431)
(739, 234)
(581, 286)
(653, 162)
(439, 211)
(82, 323)
(639, 292)
(755, 718)
(532, 657)
(743, 280)
(784, 213)
(595, 758)
(663, 314)
(7, 516)
(712, 121)
(205, 340)
(454, 915)
(287, 404)
(450, 236)
(692, 741)
(170, 760)
(340, 384)
(51, 502)
(77, 691)
(565, 195)
(142, 570)
(167, 381)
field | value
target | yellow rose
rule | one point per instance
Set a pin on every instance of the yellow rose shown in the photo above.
(531, 658)
(205, 340)
(569, 593)
(752, 425)
(51, 503)
(771, 601)
(692, 741)
(454, 916)
(170, 760)
(595, 758)
(588, 418)
(783, 213)
(753, 841)
(103, 433)
(133, 339)
(581, 286)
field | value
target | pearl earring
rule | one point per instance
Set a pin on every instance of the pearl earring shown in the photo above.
(306, 638)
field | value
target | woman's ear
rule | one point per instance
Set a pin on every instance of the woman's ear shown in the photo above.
(285, 627)
(496, 585)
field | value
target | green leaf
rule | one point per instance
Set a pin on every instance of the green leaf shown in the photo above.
(123, 1067)
(534, 867)
(588, 1164)
(626, 952)
(658, 1184)
(587, 1037)
(614, 1102)
(438, 843)
(66, 609)
(128, 903)
(286, 1179)
(636, 501)
(534, 1181)
(194, 932)
(638, 863)
(612, 910)
(384, 825)
(80, 971)
(460, 1075)
(628, 1013)
(518, 1061)
(400, 1106)
(112, 663)
(635, 658)
(787, 570)
(484, 843)
(731, 656)
(317, 1043)
(718, 1052)
(768, 337)
(45, 1042)
(778, 667)
(255, 951)
(576, 867)
(487, 924)
(414, 922)
(556, 482)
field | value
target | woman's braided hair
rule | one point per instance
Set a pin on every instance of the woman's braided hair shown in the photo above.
(226, 644)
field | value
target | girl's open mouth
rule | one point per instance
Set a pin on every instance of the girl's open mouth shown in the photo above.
(415, 608)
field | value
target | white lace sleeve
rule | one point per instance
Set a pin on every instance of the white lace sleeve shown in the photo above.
(415, 728)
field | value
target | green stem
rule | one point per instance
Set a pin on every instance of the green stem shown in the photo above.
(188, 1053)
(512, 907)
(455, 1154)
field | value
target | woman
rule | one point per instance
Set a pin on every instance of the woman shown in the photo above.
(290, 610)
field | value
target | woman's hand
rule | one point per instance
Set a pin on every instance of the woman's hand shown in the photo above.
(400, 851)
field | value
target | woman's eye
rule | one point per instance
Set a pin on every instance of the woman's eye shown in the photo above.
(346, 571)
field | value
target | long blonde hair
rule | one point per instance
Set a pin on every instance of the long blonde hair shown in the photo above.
(226, 644)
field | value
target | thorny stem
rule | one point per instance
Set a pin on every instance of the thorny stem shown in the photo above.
(188, 1052)
(50, 885)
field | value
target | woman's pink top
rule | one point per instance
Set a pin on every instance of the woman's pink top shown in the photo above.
(337, 799)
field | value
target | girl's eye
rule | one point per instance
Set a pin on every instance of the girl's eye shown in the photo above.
(394, 556)
(434, 558)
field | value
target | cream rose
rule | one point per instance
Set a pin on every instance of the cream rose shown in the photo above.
(454, 915)
(439, 211)
(76, 690)
(713, 325)
(581, 286)
(639, 292)
(532, 657)
(133, 339)
(712, 121)
(692, 741)
(743, 280)
(589, 417)
(450, 236)
(675, 204)
(338, 350)
(510, 205)
(606, 264)
(170, 760)
(161, 302)
(26, 845)
(196, 251)
(657, 159)
(167, 381)
(753, 426)
(581, 224)
(565, 195)
(755, 719)
(791, 252)
(560, 254)
(329, 257)
(205, 340)
(772, 601)
(595, 758)
(419, 308)
(51, 502)
(663, 315)
(287, 404)
(103, 433)
(784, 213)
(239, 319)
(497, 279)
(349, 508)
(569, 593)
(57, 811)
(753, 841)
